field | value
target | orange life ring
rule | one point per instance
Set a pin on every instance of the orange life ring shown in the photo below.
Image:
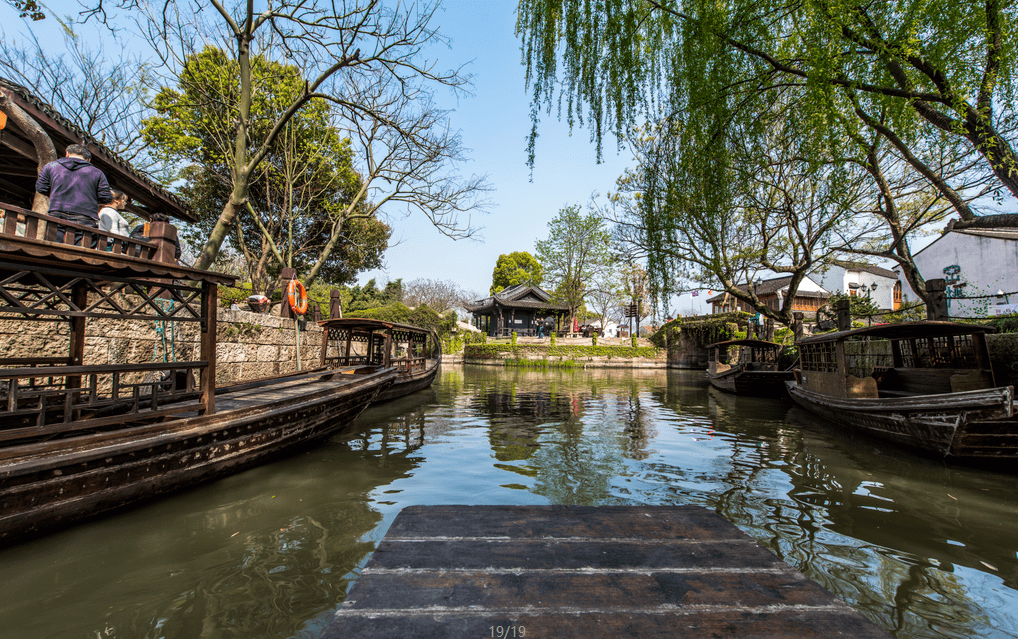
(298, 301)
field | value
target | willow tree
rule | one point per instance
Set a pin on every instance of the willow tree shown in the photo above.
(723, 200)
(932, 70)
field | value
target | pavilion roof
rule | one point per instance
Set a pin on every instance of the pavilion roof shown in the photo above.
(19, 162)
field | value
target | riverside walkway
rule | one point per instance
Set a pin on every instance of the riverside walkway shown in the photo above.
(581, 571)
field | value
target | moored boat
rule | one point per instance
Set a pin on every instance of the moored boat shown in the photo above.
(747, 367)
(926, 385)
(370, 344)
(79, 440)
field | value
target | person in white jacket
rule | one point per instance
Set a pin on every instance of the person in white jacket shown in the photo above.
(110, 219)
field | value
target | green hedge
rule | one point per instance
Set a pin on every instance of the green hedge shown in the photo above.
(491, 351)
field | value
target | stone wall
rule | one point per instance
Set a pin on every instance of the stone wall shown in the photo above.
(249, 345)
(688, 354)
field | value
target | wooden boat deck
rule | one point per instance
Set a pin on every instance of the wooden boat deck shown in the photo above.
(577, 571)
(243, 396)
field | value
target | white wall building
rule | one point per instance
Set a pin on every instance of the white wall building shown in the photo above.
(974, 262)
(862, 280)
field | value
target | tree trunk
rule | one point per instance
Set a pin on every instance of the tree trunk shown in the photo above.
(226, 220)
(45, 152)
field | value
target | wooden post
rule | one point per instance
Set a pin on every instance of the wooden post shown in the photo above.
(209, 304)
(844, 315)
(325, 345)
(386, 348)
(349, 340)
(284, 309)
(76, 350)
(936, 304)
(797, 318)
(335, 304)
(769, 329)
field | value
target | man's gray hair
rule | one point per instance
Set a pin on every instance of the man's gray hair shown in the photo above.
(80, 151)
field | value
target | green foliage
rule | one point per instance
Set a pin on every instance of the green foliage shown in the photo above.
(716, 328)
(302, 187)
(369, 295)
(234, 295)
(514, 338)
(513, 269)
(455, 342)
(492, 351)
(593, 339)
(1005, 323)
(576, 248)
(553, 338)
(858, 306)
(421, 316)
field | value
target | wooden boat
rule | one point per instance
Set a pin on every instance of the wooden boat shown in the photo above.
(926, 385)
(414, 352)
(79, 440)
(754, 370)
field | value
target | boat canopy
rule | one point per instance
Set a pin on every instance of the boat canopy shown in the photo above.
(905, 330)
(755, 343)
(367, 324)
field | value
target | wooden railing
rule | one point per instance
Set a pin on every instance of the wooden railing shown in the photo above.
(19, 222)
(353, 360)
(43, 399)
(411, 365)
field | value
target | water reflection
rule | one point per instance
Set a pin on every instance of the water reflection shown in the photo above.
(923, 549)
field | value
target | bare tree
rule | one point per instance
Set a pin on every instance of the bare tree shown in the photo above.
(439, 295)
(103, 96)
(349, 51)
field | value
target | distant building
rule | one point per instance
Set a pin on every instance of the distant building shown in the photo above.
(518, 308)
(808, 298)
(974, 262)
(859, 279)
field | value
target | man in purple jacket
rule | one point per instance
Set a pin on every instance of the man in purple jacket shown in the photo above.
(75, 189)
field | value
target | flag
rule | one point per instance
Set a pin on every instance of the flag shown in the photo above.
(695, 293)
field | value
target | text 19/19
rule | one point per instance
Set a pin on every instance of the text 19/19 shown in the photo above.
(506, 632)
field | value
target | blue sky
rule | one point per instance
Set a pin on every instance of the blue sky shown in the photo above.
(494, 124)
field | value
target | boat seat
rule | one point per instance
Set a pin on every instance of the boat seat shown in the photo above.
(976, 380)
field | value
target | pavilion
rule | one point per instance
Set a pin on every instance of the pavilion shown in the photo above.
(519, 308)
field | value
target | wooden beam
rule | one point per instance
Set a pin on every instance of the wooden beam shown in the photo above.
(18, 146)
(209, 304)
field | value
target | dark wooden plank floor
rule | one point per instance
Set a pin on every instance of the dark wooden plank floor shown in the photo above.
(575, 571)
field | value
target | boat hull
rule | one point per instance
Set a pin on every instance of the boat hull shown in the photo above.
(52, 484)
(407, 384)
(972, 424)
(754, 383)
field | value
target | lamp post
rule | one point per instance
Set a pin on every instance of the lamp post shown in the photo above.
(872, 287)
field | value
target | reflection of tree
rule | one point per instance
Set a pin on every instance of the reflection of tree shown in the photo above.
(252, 555)
(573, 429)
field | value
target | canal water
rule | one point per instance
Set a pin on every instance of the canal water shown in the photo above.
(920, 548)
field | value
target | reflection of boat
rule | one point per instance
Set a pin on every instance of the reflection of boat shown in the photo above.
(755, 369)
(928, 385)
(375, 344)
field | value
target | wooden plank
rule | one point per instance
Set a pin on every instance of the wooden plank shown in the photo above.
(577, 571)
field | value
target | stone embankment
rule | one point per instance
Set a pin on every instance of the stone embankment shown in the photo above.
(249, 345)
